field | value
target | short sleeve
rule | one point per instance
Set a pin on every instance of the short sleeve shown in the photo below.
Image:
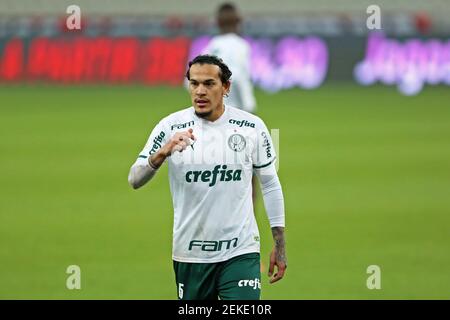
(157, 139)
(264, 152)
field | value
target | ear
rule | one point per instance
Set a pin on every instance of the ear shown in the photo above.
(226, 87)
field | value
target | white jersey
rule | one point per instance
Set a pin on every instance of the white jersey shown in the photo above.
(211, 183)
(235, 52)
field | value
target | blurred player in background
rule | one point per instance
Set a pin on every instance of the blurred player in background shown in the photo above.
(235, 52)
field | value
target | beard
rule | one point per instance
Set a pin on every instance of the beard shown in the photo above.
(203, 114)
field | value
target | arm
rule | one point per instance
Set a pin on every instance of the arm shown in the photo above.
(143, 170)
(274, 204)
(278, 255)
(145, 167)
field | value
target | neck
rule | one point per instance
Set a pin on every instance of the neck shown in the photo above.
(216, 113)
(229, 30)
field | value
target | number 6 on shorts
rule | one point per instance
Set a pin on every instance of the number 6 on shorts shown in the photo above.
(180, 290)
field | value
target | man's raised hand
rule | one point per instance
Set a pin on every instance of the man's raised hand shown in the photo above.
(179, 142)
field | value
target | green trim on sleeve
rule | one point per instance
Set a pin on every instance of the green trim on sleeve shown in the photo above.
(264, 165)
(145, 157)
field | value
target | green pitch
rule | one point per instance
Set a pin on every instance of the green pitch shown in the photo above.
(365, 172)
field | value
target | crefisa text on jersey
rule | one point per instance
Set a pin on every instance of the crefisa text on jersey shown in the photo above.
(241, 123)
(226, 309)
(157, 142)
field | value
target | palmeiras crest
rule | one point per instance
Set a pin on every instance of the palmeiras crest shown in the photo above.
(236, 142)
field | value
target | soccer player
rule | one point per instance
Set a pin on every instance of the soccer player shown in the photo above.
(235, 52)
(212, 150)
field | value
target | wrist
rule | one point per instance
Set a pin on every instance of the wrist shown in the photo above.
(165, 151)
(151, 164)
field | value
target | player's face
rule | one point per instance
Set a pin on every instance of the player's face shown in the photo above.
(207, 90)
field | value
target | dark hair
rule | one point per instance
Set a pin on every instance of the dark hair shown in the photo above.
(228, 17)
(227, 6)
(224, 74)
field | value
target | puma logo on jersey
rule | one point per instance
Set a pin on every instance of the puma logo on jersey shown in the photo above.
(219, 173)
(182, 126)
(242, 123)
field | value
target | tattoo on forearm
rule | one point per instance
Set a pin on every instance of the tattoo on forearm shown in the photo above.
(280, 244)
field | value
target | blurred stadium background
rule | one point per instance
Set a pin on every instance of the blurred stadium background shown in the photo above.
(364, 119)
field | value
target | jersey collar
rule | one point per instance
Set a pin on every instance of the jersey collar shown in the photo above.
(222, 119)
